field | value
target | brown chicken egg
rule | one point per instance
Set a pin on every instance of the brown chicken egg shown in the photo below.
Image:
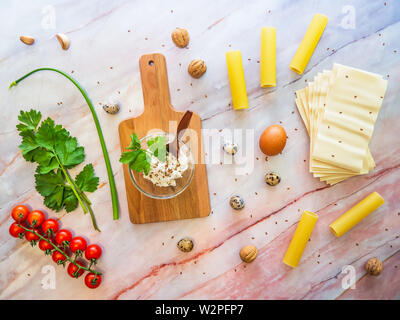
(273, 140)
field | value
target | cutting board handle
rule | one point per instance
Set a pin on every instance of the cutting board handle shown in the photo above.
(153, 71)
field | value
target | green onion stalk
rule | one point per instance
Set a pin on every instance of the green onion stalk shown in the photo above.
(111, 180)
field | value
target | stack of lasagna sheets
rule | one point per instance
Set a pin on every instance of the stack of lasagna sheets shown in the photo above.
(339, 109)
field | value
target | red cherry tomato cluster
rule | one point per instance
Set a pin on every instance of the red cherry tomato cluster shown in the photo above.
(36, 228)
(58, 257)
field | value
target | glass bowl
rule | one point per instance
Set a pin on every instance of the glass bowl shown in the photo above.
(148, 188)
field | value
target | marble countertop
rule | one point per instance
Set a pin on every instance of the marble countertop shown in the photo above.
(142, 261)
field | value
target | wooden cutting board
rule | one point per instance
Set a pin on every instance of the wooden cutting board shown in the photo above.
(194, 202)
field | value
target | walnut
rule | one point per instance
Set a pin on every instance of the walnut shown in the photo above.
(180, 37)
(248, 253)
(374, 267)
(185, 245)
(197, 68)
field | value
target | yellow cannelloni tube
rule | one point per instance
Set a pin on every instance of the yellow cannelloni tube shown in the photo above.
(236, 79)
(362, 209)
(309, 42)
(300, 239)
(268, 57)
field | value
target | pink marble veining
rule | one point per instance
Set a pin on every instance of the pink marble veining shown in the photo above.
(142, 261)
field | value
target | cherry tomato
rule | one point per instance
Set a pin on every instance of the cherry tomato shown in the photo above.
(16, 231)
(93, 252)
(46, 246)
(58, 257)
(78, 245)
(50, 226)
(92, 280)
(63, 237)
(35, 218)
(73, 269)
(19, 213)
(31, 237)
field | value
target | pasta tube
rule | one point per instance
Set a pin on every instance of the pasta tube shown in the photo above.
(362, 209)
(268, 57)
(300, 239)
(236, 79)
(309, 42)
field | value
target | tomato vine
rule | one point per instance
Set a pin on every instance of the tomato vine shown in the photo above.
(73, 261)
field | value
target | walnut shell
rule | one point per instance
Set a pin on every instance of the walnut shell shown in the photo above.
(374, 267)
(248, 253)
(185, 245)
(197, 68)
(180, 37)
(272, 179)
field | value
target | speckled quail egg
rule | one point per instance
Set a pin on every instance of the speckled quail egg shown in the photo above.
(185, 245)
(230, 148)
(236, 202)
(272, 179)
(111, 108)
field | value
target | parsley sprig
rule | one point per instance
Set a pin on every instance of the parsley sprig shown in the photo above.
(55, 151)
(139, 159)
(113, 189)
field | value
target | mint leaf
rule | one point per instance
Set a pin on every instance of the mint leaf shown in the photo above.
(86, 179)
(158, 146)
(29, 120)
(141, 163)
(146, 168)
(151, 141)
(129, 156)
(135, 142)
(139, 159)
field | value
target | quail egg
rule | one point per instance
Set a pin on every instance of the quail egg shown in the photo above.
(272, 179)
(236, 202)
(111, 108)
(185, 245)
(230, 148)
